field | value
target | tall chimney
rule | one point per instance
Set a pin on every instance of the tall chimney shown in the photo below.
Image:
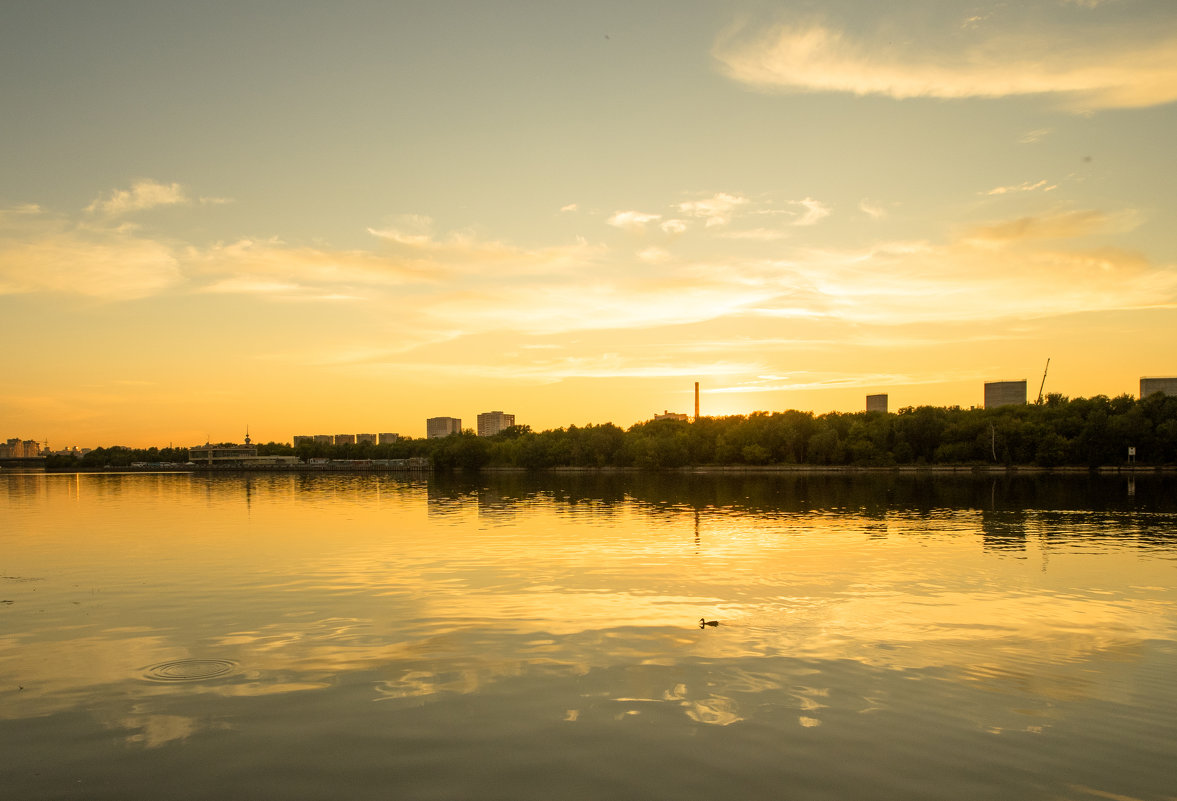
(696, 400)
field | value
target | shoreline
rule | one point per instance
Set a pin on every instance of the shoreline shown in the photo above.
(780, 469)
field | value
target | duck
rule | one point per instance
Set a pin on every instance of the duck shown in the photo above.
(705, 622)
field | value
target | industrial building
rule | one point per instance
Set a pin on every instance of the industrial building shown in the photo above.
(1005, 393)
(1167, 386)
(876, 403)
(491, 423)
(442, 426)
(671, 416)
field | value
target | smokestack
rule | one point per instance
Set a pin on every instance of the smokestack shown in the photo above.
(696, 400)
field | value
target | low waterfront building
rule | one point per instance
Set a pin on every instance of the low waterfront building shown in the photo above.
(222, 454)
(666, 415)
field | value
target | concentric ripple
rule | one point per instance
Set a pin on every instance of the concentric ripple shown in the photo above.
(189, 670)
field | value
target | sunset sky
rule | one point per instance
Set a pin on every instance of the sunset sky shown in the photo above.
(348, 217)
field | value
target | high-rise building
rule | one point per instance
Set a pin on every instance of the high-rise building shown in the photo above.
(345, 439)
(1005, 393)
(1167, 386)
(368, 438)
(876, 403)
(387, 439)
(491, 423)
(17, 448)
(303, 439)
(324, 439)
(442, 426)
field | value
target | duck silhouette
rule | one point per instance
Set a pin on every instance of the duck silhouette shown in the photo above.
(705, 622)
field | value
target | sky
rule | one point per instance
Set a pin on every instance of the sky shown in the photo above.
(348, 217)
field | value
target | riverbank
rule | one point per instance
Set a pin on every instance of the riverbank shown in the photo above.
(778, 469)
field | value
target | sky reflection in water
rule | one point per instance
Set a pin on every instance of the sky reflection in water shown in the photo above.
(911, 621)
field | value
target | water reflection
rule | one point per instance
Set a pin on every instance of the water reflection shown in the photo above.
(885, 607)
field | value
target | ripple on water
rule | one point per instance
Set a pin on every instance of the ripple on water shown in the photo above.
(179, 670)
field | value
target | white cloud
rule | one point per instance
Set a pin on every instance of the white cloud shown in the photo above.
(815, 211)
(674, 227)
(142, 195)
(1083, 66)
(632, 220)
(569, 207)
(715, 210)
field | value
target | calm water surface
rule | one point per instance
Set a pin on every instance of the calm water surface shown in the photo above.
(506, 637)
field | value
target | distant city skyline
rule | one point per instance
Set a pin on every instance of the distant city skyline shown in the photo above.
(339, 214)
(994, 394)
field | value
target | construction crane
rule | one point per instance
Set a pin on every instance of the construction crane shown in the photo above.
(1043, 384)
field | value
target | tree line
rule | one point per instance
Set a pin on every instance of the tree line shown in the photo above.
(1061, 431)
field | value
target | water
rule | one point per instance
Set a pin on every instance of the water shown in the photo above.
(315, 637)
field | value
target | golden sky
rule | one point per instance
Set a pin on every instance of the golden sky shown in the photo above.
(348, 217)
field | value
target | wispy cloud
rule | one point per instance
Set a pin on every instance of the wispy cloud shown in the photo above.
(40, 252)
(872, 210)
(815, 211)
(715, 210)
(1084, 66)
(810, 380)
(277, 271)
(1062, 225)
(460, 283)
(757, 234)
(1025, 186)
(1037, 135)
(142, 195)
(603, 365)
